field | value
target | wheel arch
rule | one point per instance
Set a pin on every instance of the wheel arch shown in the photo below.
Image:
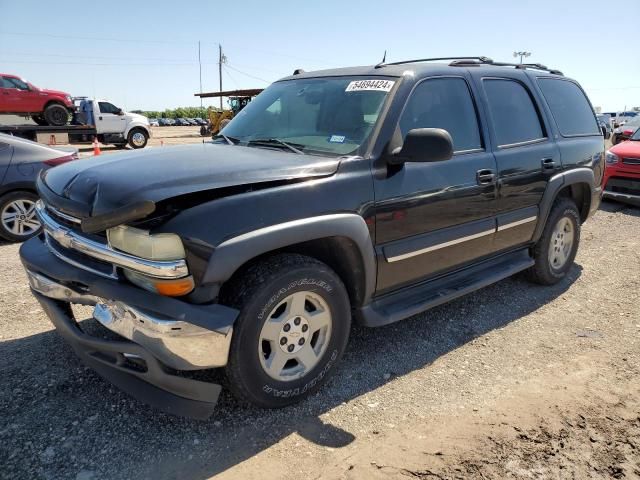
(135, 126)
(18, 187)
(577, 184)
(342, 241)
(53, 101)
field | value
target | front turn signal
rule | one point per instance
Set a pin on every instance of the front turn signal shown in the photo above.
(169, 288)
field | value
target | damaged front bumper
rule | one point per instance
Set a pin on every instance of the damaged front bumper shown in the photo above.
(159, 334)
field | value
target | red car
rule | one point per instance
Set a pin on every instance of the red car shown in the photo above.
(622, 176)
(45, 107)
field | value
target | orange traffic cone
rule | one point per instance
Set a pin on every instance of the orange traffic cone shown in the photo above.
(96, 146)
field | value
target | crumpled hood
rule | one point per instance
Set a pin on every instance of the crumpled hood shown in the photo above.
(102, 184)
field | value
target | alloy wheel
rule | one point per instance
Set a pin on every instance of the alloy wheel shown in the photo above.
(561, 243)
(295, 336)
(19, 218)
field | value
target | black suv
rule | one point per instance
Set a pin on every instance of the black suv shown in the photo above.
(371, 193)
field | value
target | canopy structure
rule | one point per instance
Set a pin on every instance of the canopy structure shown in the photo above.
(249, 92)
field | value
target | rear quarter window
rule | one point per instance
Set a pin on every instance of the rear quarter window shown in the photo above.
(569, 107)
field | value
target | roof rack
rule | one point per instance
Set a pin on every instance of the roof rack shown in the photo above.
(437, 59)
(467, 61)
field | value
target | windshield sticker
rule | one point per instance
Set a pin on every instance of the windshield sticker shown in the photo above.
(337, 138)
(375, 85)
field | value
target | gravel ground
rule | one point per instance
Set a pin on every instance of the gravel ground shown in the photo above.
(513, 381)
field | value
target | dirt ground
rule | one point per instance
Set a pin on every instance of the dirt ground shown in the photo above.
(513, 381)
(160, 137)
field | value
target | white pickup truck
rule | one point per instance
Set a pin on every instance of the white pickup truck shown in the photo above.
(93, 119)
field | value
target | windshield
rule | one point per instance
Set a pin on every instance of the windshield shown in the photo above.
(636, 135)
(329, 116)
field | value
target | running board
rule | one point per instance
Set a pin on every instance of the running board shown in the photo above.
(411, 301)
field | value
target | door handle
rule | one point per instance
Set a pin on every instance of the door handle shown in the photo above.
(99, 118)
(548, 164)
(486, 177)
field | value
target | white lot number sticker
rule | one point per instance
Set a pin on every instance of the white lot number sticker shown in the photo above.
(375, 85)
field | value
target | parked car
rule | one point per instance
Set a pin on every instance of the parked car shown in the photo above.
(625, 130)
(367, 192)
(153, 122)
(20, 162)
(45, 107)
(605, 125)
(619, 118)
(622, 175)
(181, 122)
(200, 121)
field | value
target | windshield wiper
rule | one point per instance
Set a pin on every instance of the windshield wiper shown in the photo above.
(229, 140)
(275, 142)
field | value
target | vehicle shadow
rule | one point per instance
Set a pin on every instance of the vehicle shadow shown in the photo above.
(615, 207)
(52, 403)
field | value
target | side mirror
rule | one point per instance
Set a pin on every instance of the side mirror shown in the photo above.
(120, 112)
(424, 145)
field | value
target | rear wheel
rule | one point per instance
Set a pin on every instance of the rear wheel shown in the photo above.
(556, 250)
(292, 329)
(138, 138)
(18, 220)
(56, 115)
(39, 120)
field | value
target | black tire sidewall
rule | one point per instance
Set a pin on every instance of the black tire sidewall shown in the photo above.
(49, 117)
(11, 197)
(130, 137)
(564, 209)
(244, 362)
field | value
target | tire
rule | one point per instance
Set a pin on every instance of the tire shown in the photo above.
(137, 138)
(556, 250)
(265, 295)
(39, 120)
(20, 203)
(56, 115)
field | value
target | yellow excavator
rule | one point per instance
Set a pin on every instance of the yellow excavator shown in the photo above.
(238, 99)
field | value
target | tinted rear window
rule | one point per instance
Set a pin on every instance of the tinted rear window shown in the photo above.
(515, 118)
(569, 107)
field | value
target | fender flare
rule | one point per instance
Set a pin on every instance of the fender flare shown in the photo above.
(136, 125)
(228, 256)
(556, 183)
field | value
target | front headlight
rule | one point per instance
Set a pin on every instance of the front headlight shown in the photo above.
(160, 246)
(611, 157)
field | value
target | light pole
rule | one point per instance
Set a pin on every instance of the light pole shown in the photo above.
(521, 55)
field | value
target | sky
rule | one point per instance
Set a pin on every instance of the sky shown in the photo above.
(144, 54)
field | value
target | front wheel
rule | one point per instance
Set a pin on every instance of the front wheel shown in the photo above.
(556, 250)
(292, 329)
(56, 115)
(138, 138)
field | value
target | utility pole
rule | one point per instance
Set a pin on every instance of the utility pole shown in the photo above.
(521, 55)
(200, 65)
(221, 58)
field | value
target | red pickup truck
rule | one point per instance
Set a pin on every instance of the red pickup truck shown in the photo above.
(45, 107)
